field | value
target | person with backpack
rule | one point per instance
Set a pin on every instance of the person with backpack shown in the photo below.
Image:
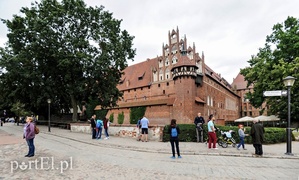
(174, 132)
(99, 128)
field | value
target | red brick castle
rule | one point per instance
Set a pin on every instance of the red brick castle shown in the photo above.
(178, 84)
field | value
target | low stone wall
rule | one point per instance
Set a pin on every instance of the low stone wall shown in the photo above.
(155, 133)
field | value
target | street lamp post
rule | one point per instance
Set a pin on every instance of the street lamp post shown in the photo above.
(49, 124)
(289, 82)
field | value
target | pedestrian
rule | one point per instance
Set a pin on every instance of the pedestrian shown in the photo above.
(144, 128)
(242, 135)
(257, 133)
(29, 135)
(93, 126)
(174, 132)
(199, 121)
(212, 132)
(106, 126)
(138, 126)
(99, 128)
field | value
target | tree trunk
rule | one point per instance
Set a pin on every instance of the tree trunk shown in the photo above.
(75, 108)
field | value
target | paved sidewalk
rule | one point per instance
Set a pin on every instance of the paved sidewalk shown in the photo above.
(186, 148)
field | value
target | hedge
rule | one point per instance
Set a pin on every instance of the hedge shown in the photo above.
(188, 133)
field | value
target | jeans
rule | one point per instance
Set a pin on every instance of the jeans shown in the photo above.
(31, 146)
(106, 132)
(176, 142)
(241, 142)
(99, 133)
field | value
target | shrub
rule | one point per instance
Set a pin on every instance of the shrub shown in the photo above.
(188, 133)
(136, 113)
(120, 118)
(111, 117)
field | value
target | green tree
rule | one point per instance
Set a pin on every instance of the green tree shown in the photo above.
(277, 60)
(65, 51)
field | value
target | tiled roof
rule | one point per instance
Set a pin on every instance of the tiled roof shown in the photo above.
(240, 83)
(138, 75)
(184, 61)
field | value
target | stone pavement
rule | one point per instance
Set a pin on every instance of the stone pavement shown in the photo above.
(186, 148)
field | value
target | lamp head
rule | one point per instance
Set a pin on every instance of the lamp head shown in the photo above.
(289, 81)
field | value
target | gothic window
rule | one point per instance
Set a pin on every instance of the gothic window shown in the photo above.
(166, 62)
(161, 73)
(160, 63)
(155, 75)
(174, 60)
(167, 73)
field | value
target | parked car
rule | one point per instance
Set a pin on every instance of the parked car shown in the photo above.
(12, 120)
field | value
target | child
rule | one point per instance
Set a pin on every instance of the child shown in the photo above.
(242, 135)
(174, 132)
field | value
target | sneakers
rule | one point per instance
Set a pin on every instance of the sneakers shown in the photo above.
(244, 149)
(172, 157)
(215, 148)
(179, 157)
(106, 138)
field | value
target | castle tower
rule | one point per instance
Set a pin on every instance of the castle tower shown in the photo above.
(184, 76)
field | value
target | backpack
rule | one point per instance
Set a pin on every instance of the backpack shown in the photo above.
(174, 132)
(36, 129)
(99, 124)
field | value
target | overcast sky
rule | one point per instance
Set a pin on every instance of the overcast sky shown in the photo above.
(228, 31)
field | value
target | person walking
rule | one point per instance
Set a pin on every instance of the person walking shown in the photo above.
(212, 132)
(199, 122)
(29, 135)
(174, 132)
(242, 135)
(106, 126)
(144, 128)
(93, 126)
(257, 133)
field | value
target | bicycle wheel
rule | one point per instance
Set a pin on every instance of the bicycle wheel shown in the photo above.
(220, 142)
(224, 145)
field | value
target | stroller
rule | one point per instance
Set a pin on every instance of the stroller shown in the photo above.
(226, 138)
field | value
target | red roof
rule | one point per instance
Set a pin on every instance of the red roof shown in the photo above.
(240, 83)
(138, 75)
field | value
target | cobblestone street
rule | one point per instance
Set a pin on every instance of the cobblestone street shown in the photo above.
(61, 154)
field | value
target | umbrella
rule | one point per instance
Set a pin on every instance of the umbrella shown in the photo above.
(245, 119)
(262, 118)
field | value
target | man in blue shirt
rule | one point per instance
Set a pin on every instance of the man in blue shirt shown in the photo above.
(144, 128)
